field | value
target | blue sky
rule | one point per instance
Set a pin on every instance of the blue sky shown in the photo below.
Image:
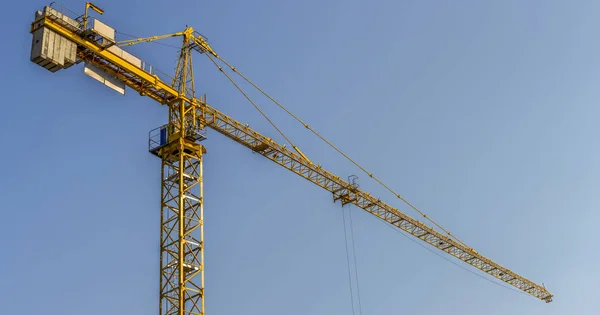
(484, 115)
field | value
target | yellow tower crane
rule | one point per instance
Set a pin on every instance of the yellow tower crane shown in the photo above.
(61, 39)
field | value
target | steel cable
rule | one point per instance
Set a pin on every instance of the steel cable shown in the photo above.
(339, 151)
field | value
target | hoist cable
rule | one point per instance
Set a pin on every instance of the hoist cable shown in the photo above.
(348, 260)
(355, 265)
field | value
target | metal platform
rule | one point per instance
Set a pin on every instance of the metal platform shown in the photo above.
(160, 137)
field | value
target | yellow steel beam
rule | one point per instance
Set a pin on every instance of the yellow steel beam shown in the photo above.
(153, 87)
(130, 42)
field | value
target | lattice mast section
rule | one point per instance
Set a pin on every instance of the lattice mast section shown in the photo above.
(182, 211)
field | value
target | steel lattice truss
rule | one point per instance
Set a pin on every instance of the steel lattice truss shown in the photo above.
(181, 249)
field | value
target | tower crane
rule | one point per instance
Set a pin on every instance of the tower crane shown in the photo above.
(62, 39)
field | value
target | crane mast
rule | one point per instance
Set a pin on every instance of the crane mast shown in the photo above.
(177, 144)
(182, 210)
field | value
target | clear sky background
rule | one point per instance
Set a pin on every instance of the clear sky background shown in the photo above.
(482, 113)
